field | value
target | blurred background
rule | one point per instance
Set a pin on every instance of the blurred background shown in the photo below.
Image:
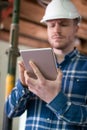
(30, 34)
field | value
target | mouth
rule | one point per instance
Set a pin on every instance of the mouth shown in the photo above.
(56, 37)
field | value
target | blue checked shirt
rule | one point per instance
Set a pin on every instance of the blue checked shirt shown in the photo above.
(67, 111)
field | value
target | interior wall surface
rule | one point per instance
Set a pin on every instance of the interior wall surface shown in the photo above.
(3, 73)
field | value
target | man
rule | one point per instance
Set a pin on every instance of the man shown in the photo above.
(60, 104)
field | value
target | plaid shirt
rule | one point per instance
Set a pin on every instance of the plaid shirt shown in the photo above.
(67, 111)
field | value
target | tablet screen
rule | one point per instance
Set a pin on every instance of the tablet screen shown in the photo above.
(44, 59)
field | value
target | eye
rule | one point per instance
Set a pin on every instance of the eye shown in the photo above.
(64, 24)
(51, 25)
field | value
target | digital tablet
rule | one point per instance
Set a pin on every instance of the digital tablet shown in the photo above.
(44, 59)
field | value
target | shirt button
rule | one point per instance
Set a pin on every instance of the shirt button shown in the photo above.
(22, 91)
(59, 66)
(16, 102)
(48, 119)
(77, 80)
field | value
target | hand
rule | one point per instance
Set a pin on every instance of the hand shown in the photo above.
(43, 88)
(21, 72)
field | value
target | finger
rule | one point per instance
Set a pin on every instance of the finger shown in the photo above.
(36, 70)
(21, 72)
(60, 75)
(28, 79)
(21, 65)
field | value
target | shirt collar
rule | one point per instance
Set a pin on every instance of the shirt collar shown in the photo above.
(69, 56)
(72, 54)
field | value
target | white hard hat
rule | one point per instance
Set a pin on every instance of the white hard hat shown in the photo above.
(57, 9)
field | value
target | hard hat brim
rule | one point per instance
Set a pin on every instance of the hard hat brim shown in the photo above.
(58, 9)
(43, 20)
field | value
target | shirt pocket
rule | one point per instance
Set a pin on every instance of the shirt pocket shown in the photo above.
(80, 85)
(75, 89)
(79, 89)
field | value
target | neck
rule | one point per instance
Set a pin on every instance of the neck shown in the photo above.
(60, 54)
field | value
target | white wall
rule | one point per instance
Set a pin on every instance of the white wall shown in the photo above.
(3, 71)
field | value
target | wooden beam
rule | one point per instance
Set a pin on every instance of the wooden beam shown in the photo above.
(82, 8)
(28, 28)
(82, 46)
(31, 11)
(31, 31)
(82, 32)
(24, 40)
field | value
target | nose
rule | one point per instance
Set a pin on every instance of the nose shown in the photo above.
(57, 28)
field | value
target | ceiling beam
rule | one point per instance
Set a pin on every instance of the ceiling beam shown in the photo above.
(28, 28)
(31, 31)
(24, 40)
(32, 11)
(81, 6)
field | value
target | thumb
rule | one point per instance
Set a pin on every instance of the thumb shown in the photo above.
(21, 66)
(60, 75)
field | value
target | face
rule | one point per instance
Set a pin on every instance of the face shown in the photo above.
(61, 33)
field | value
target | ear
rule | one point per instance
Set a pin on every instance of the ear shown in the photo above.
(76, 28)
